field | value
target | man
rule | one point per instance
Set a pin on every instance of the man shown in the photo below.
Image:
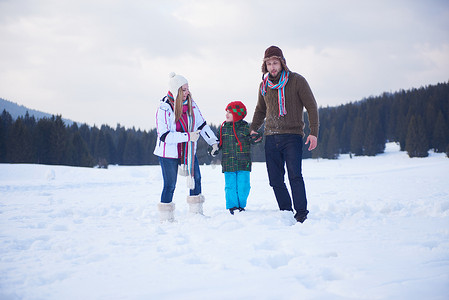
(282, 97)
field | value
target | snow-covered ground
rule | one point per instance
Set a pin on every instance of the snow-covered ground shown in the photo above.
(378, 228)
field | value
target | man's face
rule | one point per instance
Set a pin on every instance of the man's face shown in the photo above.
(274, 66)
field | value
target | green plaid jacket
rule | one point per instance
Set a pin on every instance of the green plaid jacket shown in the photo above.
(233, 159)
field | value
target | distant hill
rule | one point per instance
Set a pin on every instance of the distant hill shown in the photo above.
(16, 110)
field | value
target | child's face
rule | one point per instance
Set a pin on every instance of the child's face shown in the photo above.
(229, 117)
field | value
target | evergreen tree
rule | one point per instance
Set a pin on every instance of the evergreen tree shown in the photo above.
(110, 145)
(5, 125)
(84, 131)
(332, 151)
(20, 147)
(357, 136)
(345, 137)
(417, 142)
(43, 141)
(93, 136)
(132, 154)
(430, 117)
(101, 152)
(440, 136)
(374, 142)
(122, 141)
(58, 141)
(81, 155)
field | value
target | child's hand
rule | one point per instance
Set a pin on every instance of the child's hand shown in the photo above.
(213, 151)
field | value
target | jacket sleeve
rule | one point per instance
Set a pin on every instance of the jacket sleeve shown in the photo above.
(307, 98)
(208, 135)
(164, 119)
(259, 113)
(200, 124)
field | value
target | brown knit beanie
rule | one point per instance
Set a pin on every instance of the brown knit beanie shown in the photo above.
(275, 52)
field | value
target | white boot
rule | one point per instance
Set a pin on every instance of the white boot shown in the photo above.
(196, 204)
(166, 211)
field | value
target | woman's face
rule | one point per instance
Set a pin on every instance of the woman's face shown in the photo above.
(185, 91)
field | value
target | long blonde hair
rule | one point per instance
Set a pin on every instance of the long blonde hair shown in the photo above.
(178, 105)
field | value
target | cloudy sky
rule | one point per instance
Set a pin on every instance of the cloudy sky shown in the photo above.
(107, 62)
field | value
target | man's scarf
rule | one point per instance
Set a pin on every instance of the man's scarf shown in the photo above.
(281, 90)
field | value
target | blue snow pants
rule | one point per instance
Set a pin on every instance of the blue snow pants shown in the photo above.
(237, 186)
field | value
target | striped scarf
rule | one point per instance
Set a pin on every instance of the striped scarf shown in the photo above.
(281, 90)
(188, 153)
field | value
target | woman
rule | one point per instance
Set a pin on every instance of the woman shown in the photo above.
(179, 124)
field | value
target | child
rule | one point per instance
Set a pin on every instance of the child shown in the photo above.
(235, 143)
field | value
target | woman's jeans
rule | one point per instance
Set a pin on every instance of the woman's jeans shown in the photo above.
(281, 150)
(169, 168)
(237, 187)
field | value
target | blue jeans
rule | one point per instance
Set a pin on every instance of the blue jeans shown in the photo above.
(169, 168)
(237, 188)
(281, 150)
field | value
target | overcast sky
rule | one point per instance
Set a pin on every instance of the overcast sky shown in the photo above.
(107, 62)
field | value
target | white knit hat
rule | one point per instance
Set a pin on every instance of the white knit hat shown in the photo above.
(175, 82)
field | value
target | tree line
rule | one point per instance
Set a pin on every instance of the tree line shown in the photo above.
(50, 141)
(417, 119)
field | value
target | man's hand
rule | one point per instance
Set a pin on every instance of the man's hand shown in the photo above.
(254, 134)
(313, 142)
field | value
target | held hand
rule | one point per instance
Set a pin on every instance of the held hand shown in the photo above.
(313, 142)
(215, 149)
(255, 136)
(194, 136)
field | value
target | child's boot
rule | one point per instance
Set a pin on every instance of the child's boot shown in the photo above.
(166, 212)
(231, 210)
(196, 204)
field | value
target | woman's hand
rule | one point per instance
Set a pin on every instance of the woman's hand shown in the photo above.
(194, 136)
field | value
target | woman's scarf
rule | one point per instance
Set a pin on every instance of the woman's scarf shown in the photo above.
(188, 150)
(281, 90)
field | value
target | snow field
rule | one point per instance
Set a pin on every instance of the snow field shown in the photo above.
(378, 228)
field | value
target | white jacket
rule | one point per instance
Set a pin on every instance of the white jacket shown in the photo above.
(167, 136)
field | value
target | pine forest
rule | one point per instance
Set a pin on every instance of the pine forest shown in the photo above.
(416, 119)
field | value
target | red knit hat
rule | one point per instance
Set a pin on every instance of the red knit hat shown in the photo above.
(237, 109)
